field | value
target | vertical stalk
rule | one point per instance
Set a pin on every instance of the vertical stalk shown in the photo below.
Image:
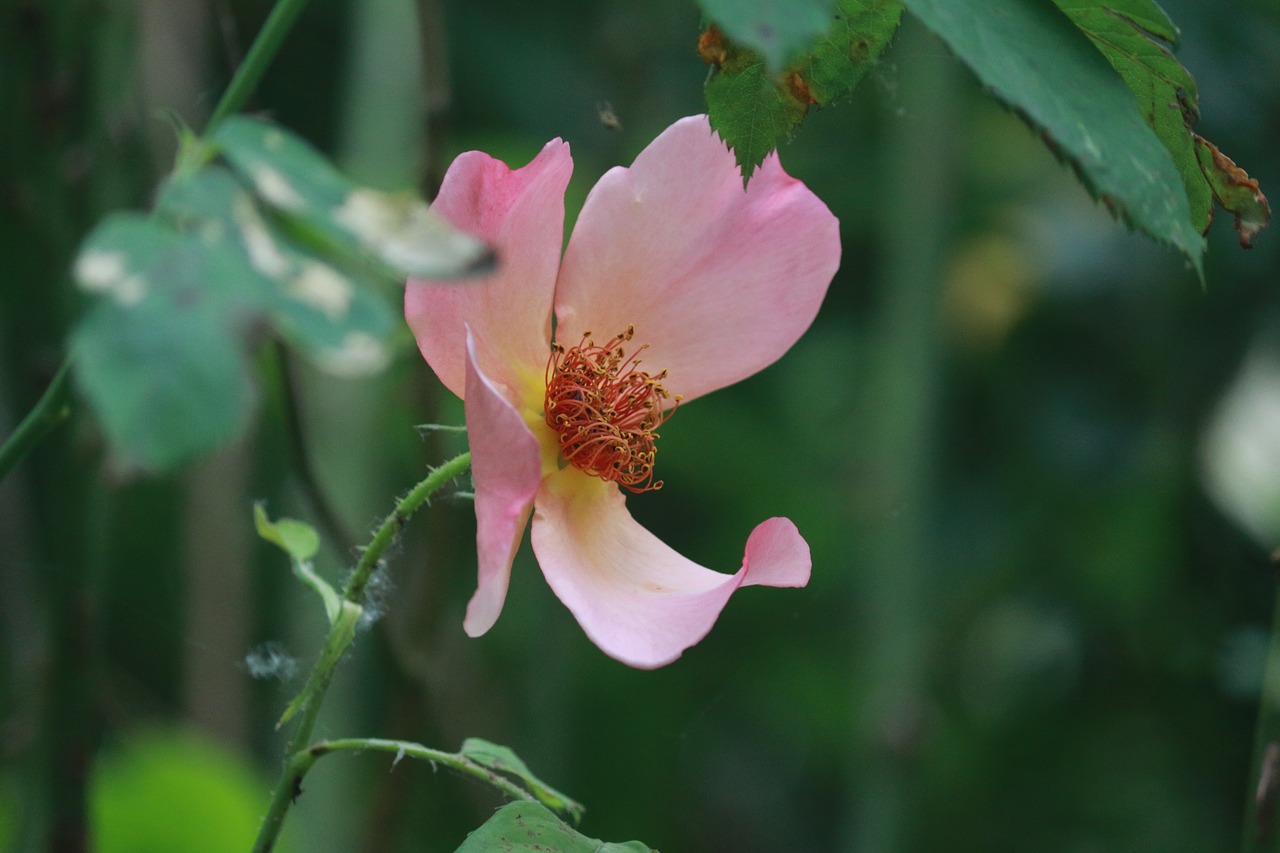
(1263, 797)
(264, 48)
(894, 646)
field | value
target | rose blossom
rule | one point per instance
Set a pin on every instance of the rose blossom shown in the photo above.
(676, 281)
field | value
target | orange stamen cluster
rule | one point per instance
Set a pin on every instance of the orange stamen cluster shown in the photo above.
(606, 411)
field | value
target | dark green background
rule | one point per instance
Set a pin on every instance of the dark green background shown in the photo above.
(1028, 628)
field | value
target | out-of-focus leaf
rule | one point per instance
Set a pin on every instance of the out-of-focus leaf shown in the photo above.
(295, 180)
(518, 827)
(296, 538)
(502, 760)
(775, 29)
(754, 109)
(301, 542)
(161, 792)
(1034, 59)
(334, 314)
(1234, 190)
(160, 357)
(1125, 32)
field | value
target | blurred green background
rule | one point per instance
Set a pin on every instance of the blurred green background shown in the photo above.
(1041, 591)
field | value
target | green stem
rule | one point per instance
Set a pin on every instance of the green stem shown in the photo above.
(1264, 782)
(298, 758)
(49, 411)
(263, 50)
(899, 434)
(408, 749)
(392, 524)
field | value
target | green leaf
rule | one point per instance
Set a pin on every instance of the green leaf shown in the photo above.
(1031, 56)
(160, 792)
(775, 29)
(1234, 190)
(305, 190)
(519, 827)
(296, 538)
(502, 760)
(335, 315)
(159, 357)
(1124, 31)
(301, 542)
(754, 110)
(1145, 14)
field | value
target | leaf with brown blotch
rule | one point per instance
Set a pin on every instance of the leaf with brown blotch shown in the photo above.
(754, 109)
(1234, 190)
(1136, 37)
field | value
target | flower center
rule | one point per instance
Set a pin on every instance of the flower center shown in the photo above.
(605, 410)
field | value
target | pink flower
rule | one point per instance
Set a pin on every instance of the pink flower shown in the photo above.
(675, 282)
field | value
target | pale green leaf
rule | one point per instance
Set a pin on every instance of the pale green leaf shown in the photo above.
(296, 538)
(336, 315)
(159, 356)
(306, 190)
(160, 792)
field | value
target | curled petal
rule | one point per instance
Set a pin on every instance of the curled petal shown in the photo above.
(720, 282)
(506, 468)
(521, 213)
(637, 599)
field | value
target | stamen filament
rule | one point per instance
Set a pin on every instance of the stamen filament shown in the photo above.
(606, 411)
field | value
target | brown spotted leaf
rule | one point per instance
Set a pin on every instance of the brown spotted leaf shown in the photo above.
(1136, 37)
(754, 109)
(1234, 190)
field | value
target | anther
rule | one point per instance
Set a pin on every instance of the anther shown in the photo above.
(606, 411)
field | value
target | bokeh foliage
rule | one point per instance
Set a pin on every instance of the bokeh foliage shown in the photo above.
(1028, 627)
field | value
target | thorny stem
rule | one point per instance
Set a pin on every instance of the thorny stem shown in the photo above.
(408, 749)
(392, 524)
(298, 754)
(1260, 831)
(48, 412)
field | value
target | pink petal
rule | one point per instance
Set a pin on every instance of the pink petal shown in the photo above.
(636, 598)
(718, 281)
(521, 213)
(506, 468)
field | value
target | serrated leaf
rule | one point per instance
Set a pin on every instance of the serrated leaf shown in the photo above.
(754, 110)
(334, 315)
(296, 181)
(1234, 190)
(775, 29)
(751, 113)
(529, 827)
(159, 356)
(502, 760)
(1123, 31)
(1031, 56)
